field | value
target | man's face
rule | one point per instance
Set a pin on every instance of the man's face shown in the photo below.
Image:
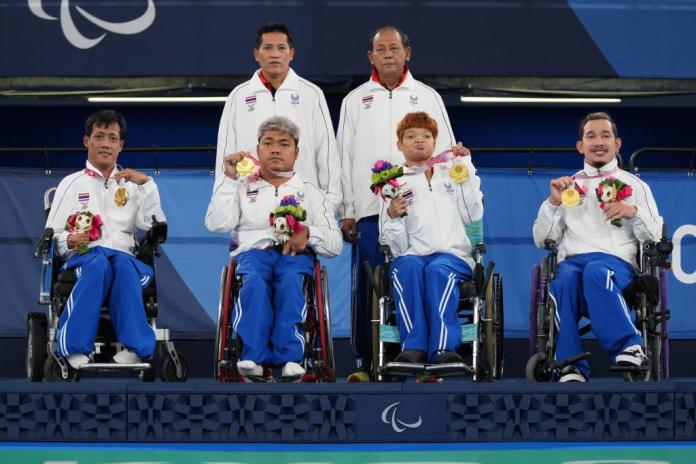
(103, 146)
(417, 144)
(388, 54)
(274, 55)
(598, 144)
(277, 151)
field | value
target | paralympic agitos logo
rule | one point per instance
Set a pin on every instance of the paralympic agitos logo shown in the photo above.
(76, 38)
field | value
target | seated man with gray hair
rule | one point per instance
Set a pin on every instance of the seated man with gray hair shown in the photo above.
(275, 217)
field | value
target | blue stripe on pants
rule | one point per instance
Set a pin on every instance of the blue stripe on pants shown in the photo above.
(590, 285)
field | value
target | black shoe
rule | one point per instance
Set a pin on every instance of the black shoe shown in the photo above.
(447, 357)
(411, 356)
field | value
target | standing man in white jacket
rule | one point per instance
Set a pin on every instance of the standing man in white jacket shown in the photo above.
(598, 239)
(275, 90)
(103, 261)
(367, 133)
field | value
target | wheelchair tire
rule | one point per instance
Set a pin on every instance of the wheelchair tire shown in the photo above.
(36, 346)
(168, 369)
(536, 369)
(533, 309)
(498, 327)
(52, 372)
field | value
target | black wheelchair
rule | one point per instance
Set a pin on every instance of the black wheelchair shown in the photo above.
(55, 288)
(480, 312)
(646, 296)
(318, 359)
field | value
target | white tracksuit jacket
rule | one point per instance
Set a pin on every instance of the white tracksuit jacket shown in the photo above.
(251, 103)
(243, 207)
(436, 218)
(120, 222)
(367, 133)
(584, 229)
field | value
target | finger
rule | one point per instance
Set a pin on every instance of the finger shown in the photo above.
(286, 248)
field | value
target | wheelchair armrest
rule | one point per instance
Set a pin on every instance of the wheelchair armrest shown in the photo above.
(156, 235)
(44, 243)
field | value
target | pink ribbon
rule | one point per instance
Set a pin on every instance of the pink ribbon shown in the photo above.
(443, 157)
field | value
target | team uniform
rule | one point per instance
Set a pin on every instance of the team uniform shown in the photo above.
(432, 256)
(109, 267)
(366, 134)
(596, 262)
(271, 306)
(252, 102)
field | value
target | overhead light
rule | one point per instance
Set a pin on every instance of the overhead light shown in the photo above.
(536, 100)
(157, 99)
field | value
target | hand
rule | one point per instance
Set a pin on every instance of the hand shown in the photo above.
(618, 210)
(461, 150)
(350, 229)
(231, 163)
(131, 175)
(397, 207)
(75, 240)
(297, 242)
(556, 187)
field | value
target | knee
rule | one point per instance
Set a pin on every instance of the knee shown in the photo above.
(596, 274)
(99, 264)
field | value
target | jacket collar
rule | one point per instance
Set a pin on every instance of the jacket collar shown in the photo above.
(610, 167)
(407, 81)
(291, 82)
(97, 173)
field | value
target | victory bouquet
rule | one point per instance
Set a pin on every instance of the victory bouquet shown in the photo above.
(286, 217)
(611, 190)
(85, 222)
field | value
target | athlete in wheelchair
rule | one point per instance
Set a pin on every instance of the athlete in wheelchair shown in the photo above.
(593, 224)
(102, 297)
(273, 309)
(423, 223)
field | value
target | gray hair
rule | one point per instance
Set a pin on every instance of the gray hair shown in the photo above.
(280, 124)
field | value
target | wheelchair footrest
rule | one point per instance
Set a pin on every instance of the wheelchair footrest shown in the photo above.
(402, 369)
(449, 369)
(642, 368)
(115, 367)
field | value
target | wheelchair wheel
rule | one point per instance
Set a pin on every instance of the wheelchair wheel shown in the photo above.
(321, 284)
(36, 346)
(536, 369)
(52, 372)
(379, 279)
(168, 371)
(490, 359)
(533, 310)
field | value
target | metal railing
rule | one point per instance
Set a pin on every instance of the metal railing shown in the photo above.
(686, 150)
(509, 152)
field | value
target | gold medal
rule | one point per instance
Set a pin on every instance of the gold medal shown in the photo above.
(570, 197)
(458, 173)
(121, 196)
(245, 167)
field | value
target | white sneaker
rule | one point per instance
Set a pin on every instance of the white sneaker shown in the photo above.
(77, 360)
(631, 356)
(571, 374)
(293, 369)
(126, 356)
(248, 368)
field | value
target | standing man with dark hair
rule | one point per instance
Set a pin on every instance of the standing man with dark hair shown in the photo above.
(367, 133)
(275, 90)
(94, 215)
(598, 217)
